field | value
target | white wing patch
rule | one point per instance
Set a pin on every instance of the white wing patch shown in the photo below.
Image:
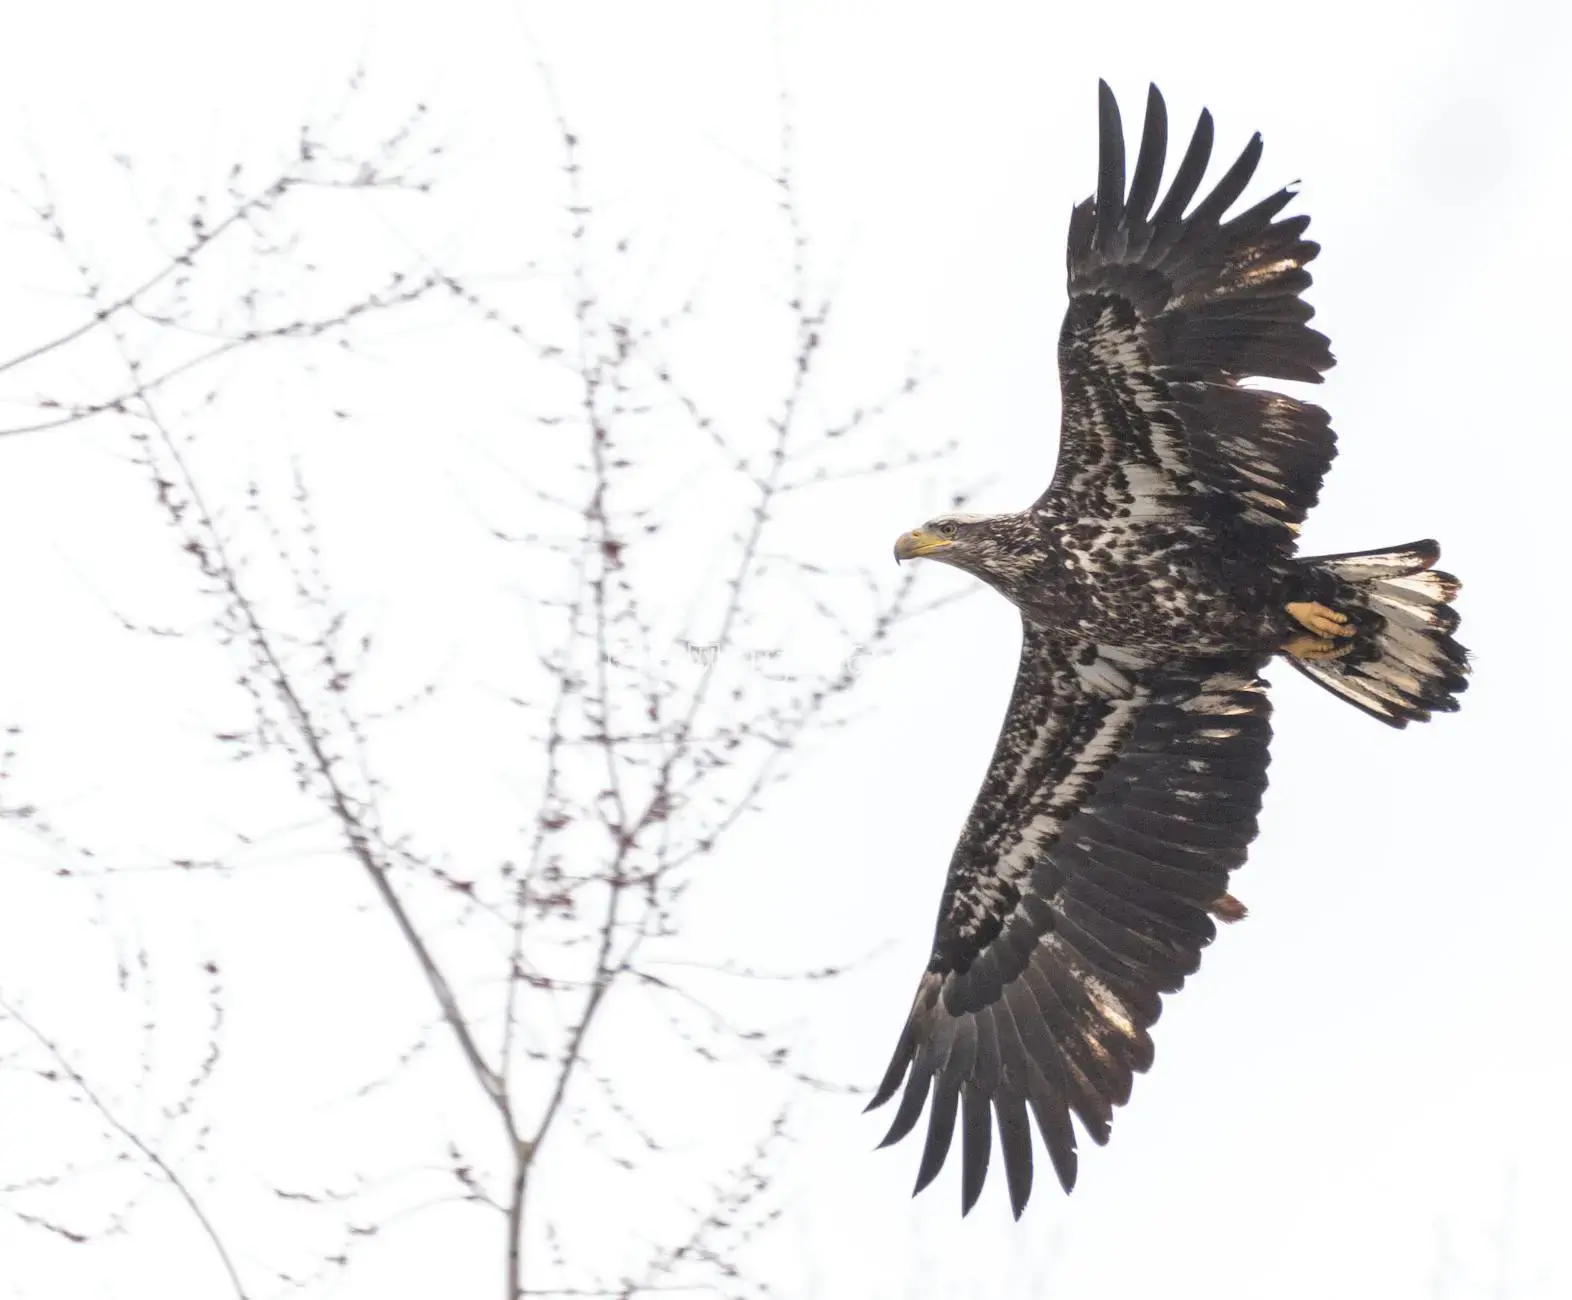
(1016, 859)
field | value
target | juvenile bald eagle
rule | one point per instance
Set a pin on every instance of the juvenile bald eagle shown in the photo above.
(1155, 577)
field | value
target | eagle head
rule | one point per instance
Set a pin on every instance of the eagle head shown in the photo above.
(999, 549)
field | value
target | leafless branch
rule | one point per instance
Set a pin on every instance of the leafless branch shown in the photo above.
(653, 721)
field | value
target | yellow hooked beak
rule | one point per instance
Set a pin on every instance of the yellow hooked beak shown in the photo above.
(917, 542)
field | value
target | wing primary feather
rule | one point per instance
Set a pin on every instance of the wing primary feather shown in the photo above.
(1223, 194)
(1256, 218)
(1110, 168)
(1045, 1093)
(910, 1109)
(941, 1127)
(1023, 1078)
(976, 1144)
(1188, 178)
(1015, 1145)
(1031, 1030)
(904, 1051)
(1059, 1023)
(988, 1069)
(1148, 175)
(1107, 1079)
(1075, 1056)
(1053, 1122)
(962, 1055)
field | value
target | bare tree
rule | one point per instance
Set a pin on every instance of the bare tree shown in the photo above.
(645, 524)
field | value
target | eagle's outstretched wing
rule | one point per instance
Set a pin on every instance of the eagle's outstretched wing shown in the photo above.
(1117, 802)
(1167, 312)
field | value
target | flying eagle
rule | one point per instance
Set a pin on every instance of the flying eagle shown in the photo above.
(1155, 578)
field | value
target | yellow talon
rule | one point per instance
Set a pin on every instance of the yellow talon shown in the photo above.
(1305, 646)
(1317, 618)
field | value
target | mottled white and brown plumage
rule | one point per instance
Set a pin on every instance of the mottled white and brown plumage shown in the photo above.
(1155, 577)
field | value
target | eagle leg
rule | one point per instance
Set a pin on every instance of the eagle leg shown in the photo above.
(1318, 618)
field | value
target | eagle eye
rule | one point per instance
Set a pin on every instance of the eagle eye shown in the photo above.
(947, 528)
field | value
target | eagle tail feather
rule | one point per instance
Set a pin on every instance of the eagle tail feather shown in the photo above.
(1404, 663)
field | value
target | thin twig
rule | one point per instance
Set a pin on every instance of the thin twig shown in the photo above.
(165, 1169)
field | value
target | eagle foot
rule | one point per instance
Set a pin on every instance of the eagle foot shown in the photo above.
(1305, 646)
(1318, 618)
(1228, 909)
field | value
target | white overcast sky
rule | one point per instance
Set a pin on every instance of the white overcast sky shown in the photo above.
(1363, 1092)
